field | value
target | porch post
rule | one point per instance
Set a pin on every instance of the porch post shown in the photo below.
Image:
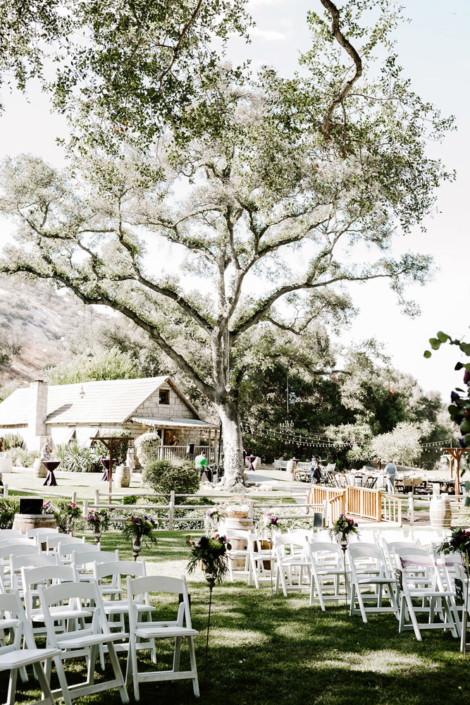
(161, 442)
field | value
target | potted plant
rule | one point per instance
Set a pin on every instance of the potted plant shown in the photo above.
(211, 553)
(98, 521)
(140, 529)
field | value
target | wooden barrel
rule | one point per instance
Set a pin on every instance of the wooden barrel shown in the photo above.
(440, 511)
(237, 544)
(39, 469)
(25, 522)
(122, 476)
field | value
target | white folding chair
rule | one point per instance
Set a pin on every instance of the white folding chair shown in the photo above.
(46, 576)
(323, 536)
(327, 568)
(390, 548)
(53, 542)
(84, 640)
(419, 580)
(65, 550)
(119, 607)
(258, 558)
(13, 658)
(291, 561)
(17, 541)
(161, 630)
(14, 550)
(237, 554)
(369, 571)
(10, 533)
(85, 560)
(33, 561)
(43, 533)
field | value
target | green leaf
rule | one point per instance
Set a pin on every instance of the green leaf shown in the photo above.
(453, 410)
(427, 353)
(457, 389)
(443, 337)
(467, 439)
(435, 343)
(465, 348)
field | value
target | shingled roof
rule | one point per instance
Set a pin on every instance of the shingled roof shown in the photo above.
(103, 402)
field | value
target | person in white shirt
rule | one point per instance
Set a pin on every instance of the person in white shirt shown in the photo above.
(391, 470)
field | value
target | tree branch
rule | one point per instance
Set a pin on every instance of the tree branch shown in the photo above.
(341, 39)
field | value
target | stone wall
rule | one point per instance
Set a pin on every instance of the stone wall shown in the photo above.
(176, 409)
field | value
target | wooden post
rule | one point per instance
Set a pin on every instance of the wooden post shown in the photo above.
(411, 509)
(85, 508)
(111, 448)
(5, 490)
(97, 497)
(74, 497)
(171, 512)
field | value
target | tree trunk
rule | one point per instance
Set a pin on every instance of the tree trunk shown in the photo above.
(232, 442)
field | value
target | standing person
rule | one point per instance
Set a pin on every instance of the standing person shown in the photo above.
(47, 450)
(201, 464)
(391, 470)
(315, 474)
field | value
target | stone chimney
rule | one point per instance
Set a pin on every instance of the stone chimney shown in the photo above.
(37, 413)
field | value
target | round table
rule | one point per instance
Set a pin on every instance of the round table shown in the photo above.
(50, 466)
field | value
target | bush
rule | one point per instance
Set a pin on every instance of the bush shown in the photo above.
(12, 440)
(164, 476)
(20, 457)
(147, 448)
(130, 499)
(76, 458)
(8, 508)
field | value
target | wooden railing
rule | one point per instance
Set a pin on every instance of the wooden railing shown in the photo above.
(170, 452)
(336, 506)
(318, 494)
(363, 502)
(391, 508)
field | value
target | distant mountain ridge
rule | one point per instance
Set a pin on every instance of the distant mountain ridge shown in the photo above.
(35, 321)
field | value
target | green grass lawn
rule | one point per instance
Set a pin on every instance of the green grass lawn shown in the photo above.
(267, 649)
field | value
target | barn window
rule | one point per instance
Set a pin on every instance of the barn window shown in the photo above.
(164, 396)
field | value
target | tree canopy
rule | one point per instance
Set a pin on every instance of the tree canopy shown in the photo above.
(273, 193)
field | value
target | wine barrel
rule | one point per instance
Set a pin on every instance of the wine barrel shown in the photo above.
(122, 476)
(234, 524)
(25, 522)
(440, 511)
(39, 469)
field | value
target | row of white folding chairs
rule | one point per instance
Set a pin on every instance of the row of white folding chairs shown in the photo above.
(81, 605)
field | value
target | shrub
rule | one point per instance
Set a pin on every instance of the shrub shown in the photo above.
(164, 476)
(13, 440)
(20, 457)
(76, 458)
(130, 499)
(8, 508)
(147, 448)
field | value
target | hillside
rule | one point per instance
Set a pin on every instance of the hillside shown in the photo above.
(35, 321)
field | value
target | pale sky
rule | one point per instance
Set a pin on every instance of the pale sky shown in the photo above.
(433, 49)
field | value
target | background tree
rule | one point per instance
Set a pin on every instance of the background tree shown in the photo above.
(279, 183)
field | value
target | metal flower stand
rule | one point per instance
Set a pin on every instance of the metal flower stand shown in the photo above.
(344, 548)
(210, 580)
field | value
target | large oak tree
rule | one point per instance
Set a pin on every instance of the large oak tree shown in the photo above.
(277, 192)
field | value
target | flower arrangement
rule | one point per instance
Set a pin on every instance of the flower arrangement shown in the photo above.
(141, 527)
(48, 508)
(67, 517)
(268, 522)
(98, 520)
(212, 553)
(212, 519)
(342, 528)
(459, 542)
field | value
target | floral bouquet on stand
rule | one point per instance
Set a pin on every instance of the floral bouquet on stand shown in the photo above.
(211, 553)
(459, 542)
(212, 520)
(98, 521)
(342, 529)
(140, 529)
(68, 517)
(48, 508)
(267, 524)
